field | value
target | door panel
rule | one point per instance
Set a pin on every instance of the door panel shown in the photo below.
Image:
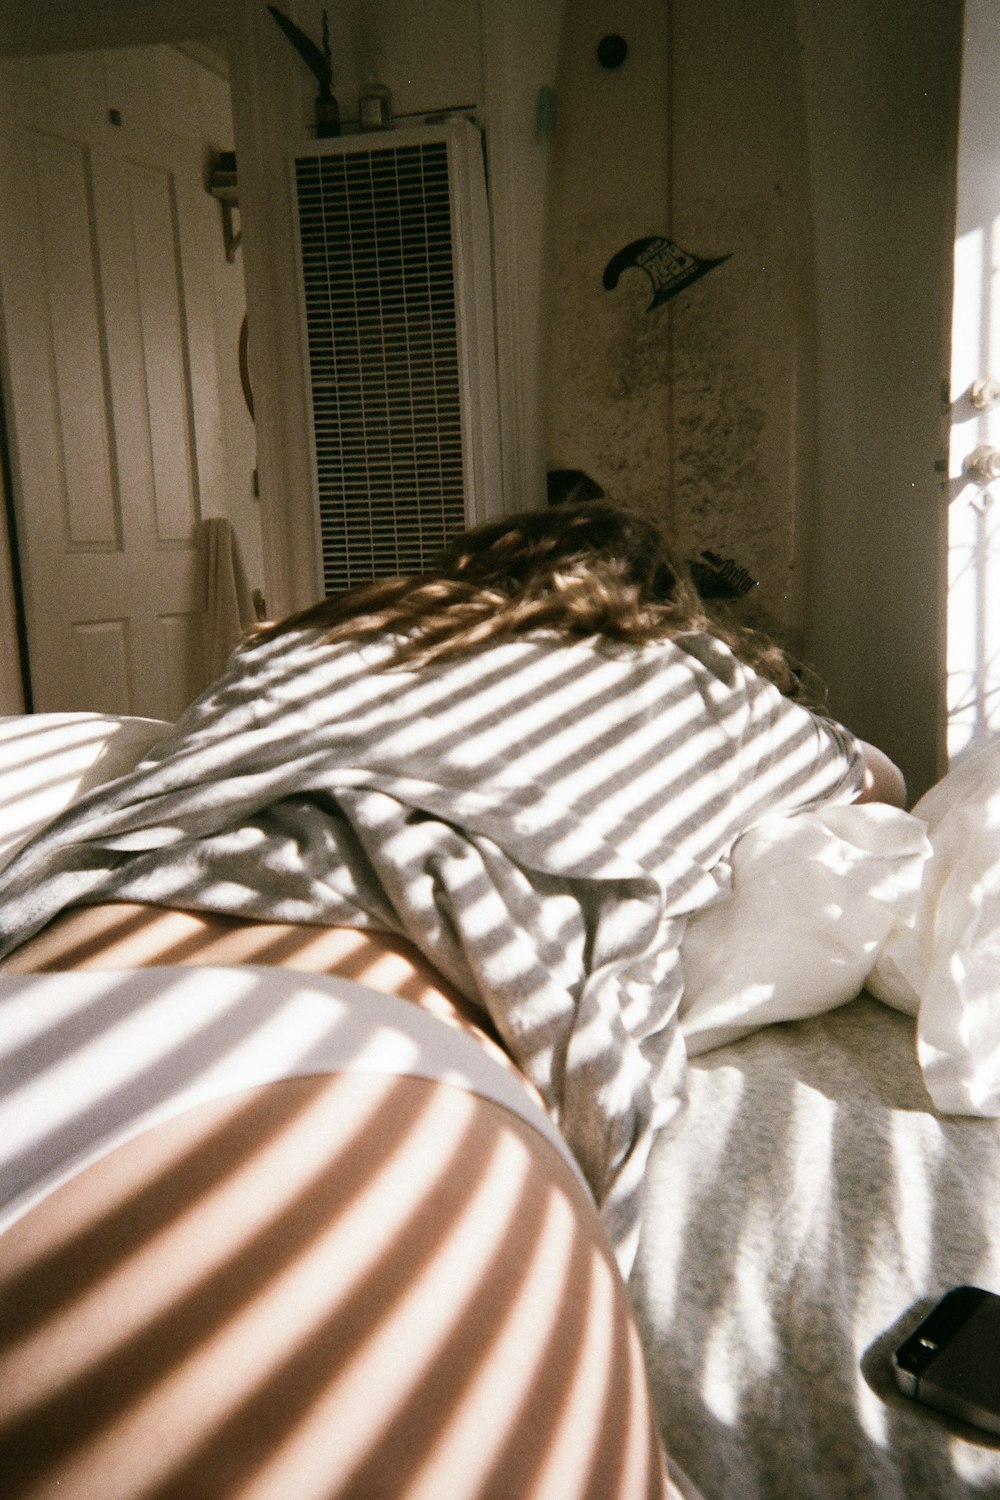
(155, 234)
(102, 664)
(65, 280)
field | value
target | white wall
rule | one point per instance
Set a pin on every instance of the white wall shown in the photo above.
(879, 82)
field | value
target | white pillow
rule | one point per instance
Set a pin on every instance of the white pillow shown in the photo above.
(948, 965)
(48, 760)
(815, 895)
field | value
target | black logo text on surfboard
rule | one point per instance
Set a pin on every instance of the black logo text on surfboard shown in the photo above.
(669, 268)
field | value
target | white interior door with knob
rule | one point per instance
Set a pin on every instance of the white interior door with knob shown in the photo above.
(111, 396)
(974, 467)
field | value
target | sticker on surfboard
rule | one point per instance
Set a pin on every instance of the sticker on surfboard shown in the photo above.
(669, 268)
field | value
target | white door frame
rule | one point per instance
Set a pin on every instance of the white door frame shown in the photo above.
(974, 509)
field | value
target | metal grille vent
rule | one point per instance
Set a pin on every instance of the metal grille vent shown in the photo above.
(381, 326)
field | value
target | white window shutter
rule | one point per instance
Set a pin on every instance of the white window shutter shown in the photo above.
(396, 293)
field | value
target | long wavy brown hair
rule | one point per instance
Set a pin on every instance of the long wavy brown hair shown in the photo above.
(584, 569)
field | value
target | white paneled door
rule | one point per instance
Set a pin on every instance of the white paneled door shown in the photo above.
(111, 396)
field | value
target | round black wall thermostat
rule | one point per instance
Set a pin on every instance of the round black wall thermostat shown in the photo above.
(612, 51)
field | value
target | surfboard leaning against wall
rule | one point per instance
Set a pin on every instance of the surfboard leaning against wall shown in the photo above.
(678, 319)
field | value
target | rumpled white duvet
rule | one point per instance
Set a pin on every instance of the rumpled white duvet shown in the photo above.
(944, 967)
(837, 899)
(815, 897)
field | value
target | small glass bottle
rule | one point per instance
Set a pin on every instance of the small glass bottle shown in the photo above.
(374, 105)
(327, 115)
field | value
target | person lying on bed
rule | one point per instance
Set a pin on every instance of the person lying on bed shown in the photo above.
(476, 808)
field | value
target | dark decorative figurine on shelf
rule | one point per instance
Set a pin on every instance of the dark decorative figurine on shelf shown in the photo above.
(319, 62)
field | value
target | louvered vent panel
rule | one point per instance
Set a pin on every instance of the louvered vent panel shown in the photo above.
(381, 324)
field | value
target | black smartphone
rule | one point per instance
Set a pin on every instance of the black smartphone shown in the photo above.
(952, 1360)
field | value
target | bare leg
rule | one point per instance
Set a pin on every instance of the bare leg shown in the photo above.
(343, 1288)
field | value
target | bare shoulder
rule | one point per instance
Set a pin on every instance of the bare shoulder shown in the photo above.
(884, 781)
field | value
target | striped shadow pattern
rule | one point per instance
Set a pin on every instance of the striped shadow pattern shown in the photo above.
(540, 817)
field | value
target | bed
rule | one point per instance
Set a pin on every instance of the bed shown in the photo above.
(812, 1201)
(799, 1221)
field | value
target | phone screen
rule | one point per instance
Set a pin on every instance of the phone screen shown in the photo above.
(952, 1360)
